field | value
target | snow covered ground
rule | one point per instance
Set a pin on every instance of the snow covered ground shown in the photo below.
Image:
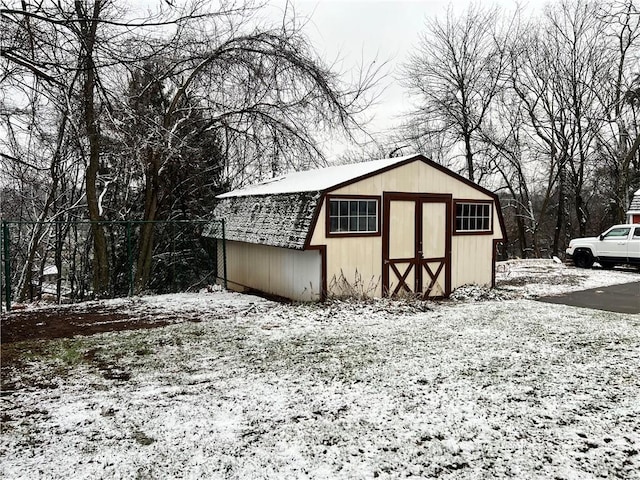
(489, 385)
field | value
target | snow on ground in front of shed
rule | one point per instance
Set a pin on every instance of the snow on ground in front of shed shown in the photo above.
(255, 389)
(537, 278)
(167, 305)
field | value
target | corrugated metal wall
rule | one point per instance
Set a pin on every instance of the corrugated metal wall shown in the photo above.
(293, 274)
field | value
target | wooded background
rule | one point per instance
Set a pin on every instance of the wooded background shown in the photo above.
(106, 117)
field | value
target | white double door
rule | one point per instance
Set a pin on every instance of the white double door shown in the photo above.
(416, 244)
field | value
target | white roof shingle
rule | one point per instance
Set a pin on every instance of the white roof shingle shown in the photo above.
(279, 220)
(315, 180)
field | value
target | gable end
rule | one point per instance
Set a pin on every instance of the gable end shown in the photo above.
(431, 164)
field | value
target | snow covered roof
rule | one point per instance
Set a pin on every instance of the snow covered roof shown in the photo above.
(280, 220)
(317, 179)
(280, 211)
(50, 270)
(635, 203)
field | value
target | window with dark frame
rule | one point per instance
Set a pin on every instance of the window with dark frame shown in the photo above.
(473, 217)
(353, 215)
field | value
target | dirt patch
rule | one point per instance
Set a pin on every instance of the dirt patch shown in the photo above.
(48, 324)
(27, 330)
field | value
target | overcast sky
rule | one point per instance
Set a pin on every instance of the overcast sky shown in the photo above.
(355, 31)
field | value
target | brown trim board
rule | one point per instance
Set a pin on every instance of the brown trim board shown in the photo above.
(314, 221)
(327, 230)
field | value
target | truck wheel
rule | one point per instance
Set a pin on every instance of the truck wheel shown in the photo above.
(583, 259)
(607, 265)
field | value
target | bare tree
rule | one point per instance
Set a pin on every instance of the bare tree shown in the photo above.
(38, 128)
(580, 74)
(455, 76)
(506, 145)
(620, 139)
(557, 70)
(262, 94)
(57, 46)
(560, 134)
(257, 93)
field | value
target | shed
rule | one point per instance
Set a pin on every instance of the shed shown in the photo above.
(394, 226)
(633, 214)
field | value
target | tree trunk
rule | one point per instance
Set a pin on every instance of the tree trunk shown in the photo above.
(469, 156)
(100, 255)
(581, 214)
(24, 284)
(560, 216)
(58, 261)
(100, 258)
(522, 234)
(145, 244)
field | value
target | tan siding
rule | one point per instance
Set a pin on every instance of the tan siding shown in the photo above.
(471, 255)
(471, 260)
(279, 271)
(356, 261)
(415, 177)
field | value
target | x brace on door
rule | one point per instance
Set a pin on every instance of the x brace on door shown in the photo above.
(402, 278)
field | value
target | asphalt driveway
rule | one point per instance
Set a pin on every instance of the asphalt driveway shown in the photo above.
(623, 298)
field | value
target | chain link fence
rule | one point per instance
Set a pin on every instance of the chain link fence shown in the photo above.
(54, 261)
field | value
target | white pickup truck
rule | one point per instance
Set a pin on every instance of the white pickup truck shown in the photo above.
(620, 245)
